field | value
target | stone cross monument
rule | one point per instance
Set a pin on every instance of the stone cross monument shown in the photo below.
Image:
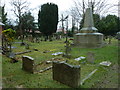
(88, 36)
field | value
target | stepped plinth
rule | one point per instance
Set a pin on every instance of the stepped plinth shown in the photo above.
(88, 36)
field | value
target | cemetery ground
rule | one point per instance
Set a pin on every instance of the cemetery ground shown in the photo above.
(105, 77)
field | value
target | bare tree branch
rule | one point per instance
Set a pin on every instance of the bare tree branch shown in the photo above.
(100, 7)
(19, 7)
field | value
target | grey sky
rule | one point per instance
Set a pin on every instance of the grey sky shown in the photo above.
(63, 5)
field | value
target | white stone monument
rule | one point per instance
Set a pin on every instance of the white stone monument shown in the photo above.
(88, 36)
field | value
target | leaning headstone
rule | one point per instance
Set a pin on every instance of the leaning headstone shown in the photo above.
(66, 74)
(90, 57)
(28, 64)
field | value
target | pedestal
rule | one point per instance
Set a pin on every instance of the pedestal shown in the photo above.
(88, 40)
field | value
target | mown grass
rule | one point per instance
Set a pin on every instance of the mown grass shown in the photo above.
(14, 76)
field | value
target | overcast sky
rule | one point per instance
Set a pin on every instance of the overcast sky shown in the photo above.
(63, 5)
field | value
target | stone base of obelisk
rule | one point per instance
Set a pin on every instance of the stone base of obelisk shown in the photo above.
(88, 40)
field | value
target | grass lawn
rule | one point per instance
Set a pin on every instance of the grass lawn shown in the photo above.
(106, 77)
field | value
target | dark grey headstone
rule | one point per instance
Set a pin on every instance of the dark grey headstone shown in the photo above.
(90, 57)
(66, 74)
(28, 64)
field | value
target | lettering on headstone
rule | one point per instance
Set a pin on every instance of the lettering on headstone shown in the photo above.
(66, 74)
(28, 64)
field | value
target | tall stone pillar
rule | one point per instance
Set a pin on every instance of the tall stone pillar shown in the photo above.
(88, 36)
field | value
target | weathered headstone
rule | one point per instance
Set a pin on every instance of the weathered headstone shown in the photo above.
(66, 74)
(28, 64)
(90, 57)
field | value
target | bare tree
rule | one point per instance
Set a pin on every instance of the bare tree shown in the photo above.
(100, 7)
(119, 9)
(19, 7)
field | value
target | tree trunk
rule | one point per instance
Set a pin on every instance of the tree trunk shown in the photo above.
(50, 37)
(46, 38)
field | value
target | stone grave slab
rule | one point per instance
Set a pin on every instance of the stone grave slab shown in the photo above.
(105, 63)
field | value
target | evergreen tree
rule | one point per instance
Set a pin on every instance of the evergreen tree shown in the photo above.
(109, 25)
(48, 19)
(4, 16)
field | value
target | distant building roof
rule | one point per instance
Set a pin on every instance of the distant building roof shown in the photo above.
(1, 23)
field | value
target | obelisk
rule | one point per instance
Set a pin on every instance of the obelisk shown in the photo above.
(88, 36)
(88, 22)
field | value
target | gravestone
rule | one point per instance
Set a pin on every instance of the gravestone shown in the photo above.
(88, 36)
(30, 38)
(118, 35)
(28, 64)
(26, 46)
(90, 57)
(66, 74)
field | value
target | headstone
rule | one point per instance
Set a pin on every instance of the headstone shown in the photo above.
(118, 35)
(66, 74)
(90, 57)
(28, 64)
(26, 46)
(30, 38)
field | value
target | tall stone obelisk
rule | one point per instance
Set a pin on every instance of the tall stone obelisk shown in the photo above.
(88, 36)
(88, 22)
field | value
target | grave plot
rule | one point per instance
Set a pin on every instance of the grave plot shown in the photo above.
(28, 64)
(46, 65)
